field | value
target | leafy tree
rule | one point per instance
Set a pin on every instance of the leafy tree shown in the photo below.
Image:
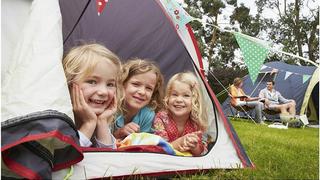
(292, 30)
(296, 31)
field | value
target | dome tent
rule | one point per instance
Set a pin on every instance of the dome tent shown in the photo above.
(300, 83)
(129, 28)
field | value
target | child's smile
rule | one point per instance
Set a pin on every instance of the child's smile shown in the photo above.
(180, 100)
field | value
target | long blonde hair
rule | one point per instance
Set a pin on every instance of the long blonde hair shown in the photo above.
(198, 112)
(81, 60)
(140, 66)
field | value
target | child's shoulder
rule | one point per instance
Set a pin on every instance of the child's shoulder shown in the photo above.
(147, 109)
(162, 115)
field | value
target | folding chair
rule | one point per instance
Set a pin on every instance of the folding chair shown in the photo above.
(245, 109)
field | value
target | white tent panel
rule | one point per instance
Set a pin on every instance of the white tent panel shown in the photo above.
(38, 53)
(105, 164)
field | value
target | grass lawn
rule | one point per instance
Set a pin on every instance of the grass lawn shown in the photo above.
(276, 153)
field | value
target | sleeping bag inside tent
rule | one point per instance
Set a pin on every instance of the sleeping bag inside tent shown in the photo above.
(300, 83)
(130, 29)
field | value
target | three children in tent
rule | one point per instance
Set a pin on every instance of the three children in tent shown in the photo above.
(110, 101)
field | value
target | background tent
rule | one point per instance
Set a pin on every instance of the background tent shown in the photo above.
(300, 83)
(129, 28)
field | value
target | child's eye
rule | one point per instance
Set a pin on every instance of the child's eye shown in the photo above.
(149, 89)
(91, 82)
(111, 84)
(186, 95)
(174, 94)
(135, 84)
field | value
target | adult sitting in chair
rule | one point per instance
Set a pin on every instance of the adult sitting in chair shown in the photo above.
(240, 100)
(276, 102)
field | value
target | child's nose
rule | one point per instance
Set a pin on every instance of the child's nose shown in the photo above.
(142, 90)
(102, 90)
(179, 99)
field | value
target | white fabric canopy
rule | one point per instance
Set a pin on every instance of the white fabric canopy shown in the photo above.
(32, 47)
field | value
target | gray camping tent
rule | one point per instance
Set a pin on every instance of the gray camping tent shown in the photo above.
(300, 83)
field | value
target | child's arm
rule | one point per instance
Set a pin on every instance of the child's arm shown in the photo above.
(85, 119)
(159, 127)
(103, 134)
(126, 130)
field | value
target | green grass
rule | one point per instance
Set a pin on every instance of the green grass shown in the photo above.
(276, 153)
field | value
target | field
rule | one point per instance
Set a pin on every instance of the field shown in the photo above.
(276, 153)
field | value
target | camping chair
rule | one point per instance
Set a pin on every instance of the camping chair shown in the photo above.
(245, 109)
(273, 113)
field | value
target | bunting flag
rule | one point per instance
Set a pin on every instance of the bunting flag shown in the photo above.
(254, 54)
(263, 67)
(100, 5)
(305, 78)
(179, 16)
(287, 75)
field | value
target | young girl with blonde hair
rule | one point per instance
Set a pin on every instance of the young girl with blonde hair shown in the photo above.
(143, 84)
(184, 119)
(92, 73)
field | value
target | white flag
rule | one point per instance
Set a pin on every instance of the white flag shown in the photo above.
(287, 75)
(263, 67)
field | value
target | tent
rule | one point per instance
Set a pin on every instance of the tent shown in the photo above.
(300, 83)
(34, 82)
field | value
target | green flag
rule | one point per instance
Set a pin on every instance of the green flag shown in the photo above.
(254, 54)
(305, 78)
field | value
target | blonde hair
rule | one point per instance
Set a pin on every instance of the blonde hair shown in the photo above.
(81, 60)
(140, 66)
(198, 112)
(237, 81)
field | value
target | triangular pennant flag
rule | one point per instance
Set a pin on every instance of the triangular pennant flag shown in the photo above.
(254, 54)
(179, 16)
(263, 67)
(287, 75)
(100, 5)
(305, 78)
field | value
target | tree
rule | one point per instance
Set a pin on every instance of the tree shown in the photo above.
(295, 30)
(291, 29)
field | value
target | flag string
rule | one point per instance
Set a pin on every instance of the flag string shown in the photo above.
(260, 40)
(287, 71)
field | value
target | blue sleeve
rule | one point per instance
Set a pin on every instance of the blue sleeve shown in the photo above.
(146, 121)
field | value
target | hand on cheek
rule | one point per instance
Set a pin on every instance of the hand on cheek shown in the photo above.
(106, 115)
(85, 117)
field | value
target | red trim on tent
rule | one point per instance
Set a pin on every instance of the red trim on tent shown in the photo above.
(19, 169)
(196, 47)
(226, 125)
(157, 174)
(56, 134)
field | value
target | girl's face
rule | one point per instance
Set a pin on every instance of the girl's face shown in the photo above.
(99, 88)
(180, 100)
(139, 89)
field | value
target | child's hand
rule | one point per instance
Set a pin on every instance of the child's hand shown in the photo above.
(127, 130)
(109, 111)
(85, 118)
(192, 140)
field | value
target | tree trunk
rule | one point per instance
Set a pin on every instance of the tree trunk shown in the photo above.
(296, 28)
(311, 47)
